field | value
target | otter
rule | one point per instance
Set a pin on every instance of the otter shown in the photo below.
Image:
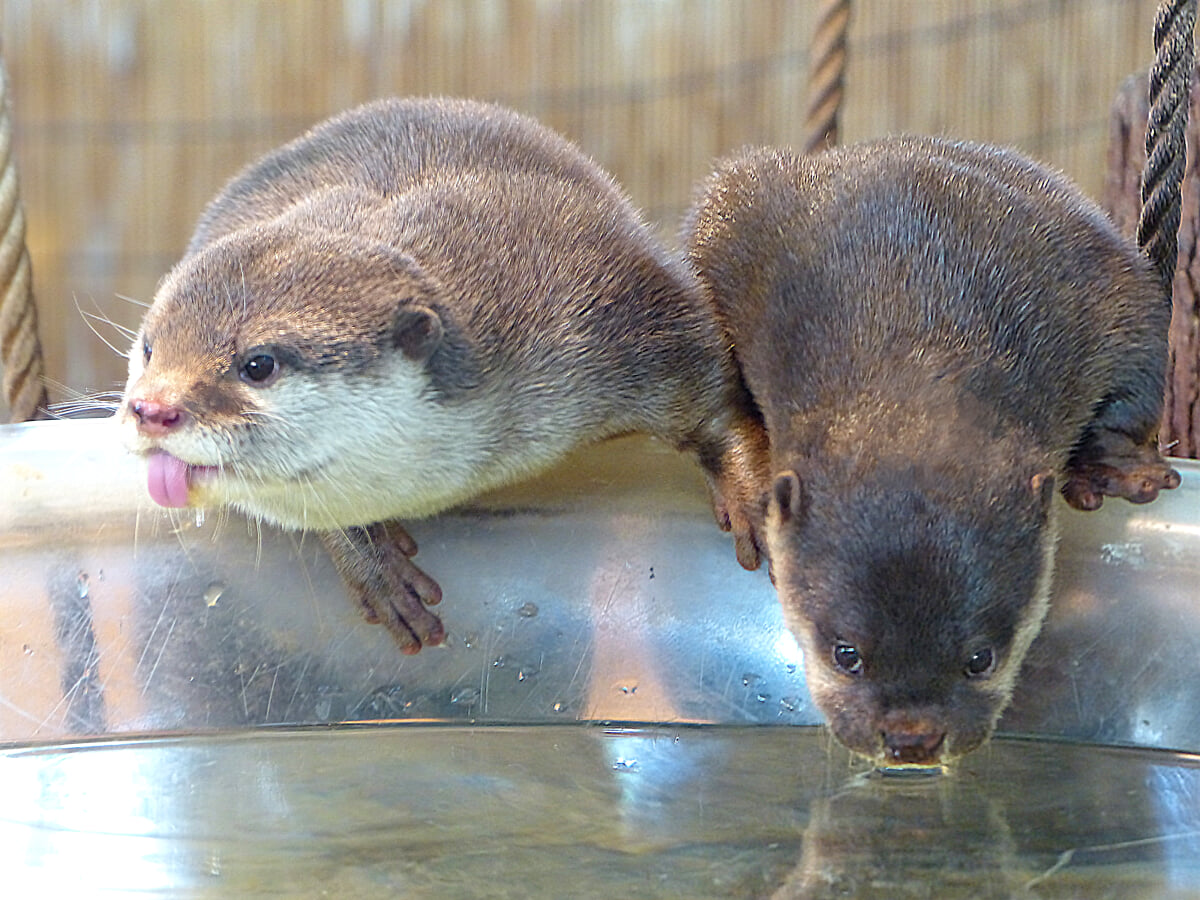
(415, 302)
(937, 335)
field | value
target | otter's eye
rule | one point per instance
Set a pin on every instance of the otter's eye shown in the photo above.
(980, 663)
(258, 368)
(147, 351)
(848, 659)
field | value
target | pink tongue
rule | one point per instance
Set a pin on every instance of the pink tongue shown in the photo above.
(167, 479)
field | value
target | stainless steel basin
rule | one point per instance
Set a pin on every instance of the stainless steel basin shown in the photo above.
(141, 652)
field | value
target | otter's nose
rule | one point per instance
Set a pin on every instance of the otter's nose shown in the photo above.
(913, 747)
(155, 418)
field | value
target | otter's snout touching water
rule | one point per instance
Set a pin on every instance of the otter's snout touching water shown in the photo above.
(415, 302)
(938, 335)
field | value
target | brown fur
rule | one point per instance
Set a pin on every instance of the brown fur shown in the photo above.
(460, 286)
(936, 333)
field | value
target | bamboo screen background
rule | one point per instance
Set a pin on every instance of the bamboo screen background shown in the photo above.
(131, 114)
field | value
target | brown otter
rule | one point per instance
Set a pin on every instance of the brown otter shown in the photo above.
(936, 334)
(415, 302)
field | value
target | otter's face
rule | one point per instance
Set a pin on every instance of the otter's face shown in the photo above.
(914, 618)
(284, 375)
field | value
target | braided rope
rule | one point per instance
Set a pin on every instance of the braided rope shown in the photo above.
(20, 349)
(827, 70)
(1166, 148)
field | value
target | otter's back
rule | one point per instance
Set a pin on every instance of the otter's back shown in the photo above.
(917, 260)
(389, 146)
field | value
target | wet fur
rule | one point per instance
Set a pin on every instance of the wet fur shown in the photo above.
(936, 334)
(456, 297)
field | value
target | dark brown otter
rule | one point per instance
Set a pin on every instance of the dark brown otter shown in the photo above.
(936, 335)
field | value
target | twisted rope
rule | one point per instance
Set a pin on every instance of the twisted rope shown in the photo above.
(827, 70)
(20, 350)
(1166, 146)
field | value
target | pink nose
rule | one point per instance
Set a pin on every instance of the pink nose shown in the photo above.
(154, 418)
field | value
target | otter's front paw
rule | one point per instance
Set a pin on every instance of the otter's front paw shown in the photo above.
(743, 520)
(737, 491)
(375, 562)
(1137, 474)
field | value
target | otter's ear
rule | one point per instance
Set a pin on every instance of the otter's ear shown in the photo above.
(417, 331)
(1042, 485)
(788, 501)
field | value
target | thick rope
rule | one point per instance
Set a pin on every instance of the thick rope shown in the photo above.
(1166, 146)
(20, 350)
(826, 75)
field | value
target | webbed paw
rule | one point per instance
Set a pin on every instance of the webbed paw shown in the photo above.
(1117, 468)
(376, 563)
(738, 493)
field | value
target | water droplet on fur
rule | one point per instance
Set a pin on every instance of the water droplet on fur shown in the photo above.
(526, 672)
(750, 679)
(499, 662)
(82, 585)
(213, 593)
(624, 764)
(465, 696)
(788, 704)
(628, 688)
(762, 698)
(528, 610)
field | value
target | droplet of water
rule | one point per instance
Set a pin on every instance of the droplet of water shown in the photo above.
(624, 764)
(750, 679)
(628, 688)
(559, 706)
(28, 650)
(470, 640)
(788, 704)
(199, 518)
(762, 698)
(465, 696)
(528, 610)
(790, 668)
(213, 593)
(499, 662)
(527, 672)
(82, 585)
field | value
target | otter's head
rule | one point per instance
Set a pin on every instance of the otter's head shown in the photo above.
(283, 370)
(914, 605)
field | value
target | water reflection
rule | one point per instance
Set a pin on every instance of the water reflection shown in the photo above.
(579, 811)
